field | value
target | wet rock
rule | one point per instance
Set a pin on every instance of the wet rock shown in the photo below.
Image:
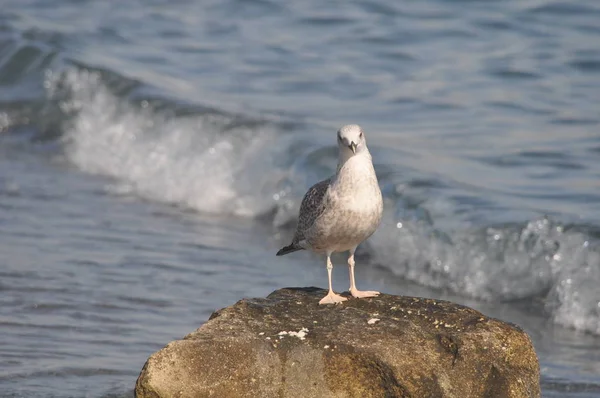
(289, 346)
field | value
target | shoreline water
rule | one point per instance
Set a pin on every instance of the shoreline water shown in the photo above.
(149, 171)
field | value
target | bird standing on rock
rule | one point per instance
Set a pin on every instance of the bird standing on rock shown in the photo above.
(337, 214)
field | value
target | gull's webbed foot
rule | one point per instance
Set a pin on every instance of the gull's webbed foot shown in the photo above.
(332, 298)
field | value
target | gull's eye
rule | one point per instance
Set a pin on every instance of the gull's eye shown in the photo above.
(339, 137)
(360, 135)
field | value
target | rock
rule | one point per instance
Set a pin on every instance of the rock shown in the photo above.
(289, 346)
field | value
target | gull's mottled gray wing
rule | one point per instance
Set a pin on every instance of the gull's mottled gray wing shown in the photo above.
(313, 205)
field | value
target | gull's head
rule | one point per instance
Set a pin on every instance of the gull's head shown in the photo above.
(351, 140)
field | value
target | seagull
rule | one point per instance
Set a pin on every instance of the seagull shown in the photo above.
(339, 213)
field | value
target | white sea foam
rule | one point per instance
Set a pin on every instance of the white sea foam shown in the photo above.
(192, 161)
(540, 259)
(4, 121)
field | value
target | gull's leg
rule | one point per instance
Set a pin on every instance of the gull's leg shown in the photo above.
(331, 297)
(353, 290)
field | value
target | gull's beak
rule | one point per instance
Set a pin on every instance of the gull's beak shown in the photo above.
(353, 147)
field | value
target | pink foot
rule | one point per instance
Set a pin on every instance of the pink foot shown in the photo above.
(332, 298)
(363, 294)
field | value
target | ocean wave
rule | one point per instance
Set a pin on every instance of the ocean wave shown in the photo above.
(539, 261)
(205, 161)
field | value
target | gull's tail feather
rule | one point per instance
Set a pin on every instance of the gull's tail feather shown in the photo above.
(289, 249)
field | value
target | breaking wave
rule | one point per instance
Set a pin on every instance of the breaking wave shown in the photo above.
(541, 261)
(206, 162)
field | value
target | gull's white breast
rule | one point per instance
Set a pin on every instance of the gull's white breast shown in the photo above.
(354, 208)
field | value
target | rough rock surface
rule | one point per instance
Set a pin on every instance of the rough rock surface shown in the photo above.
(289, 346)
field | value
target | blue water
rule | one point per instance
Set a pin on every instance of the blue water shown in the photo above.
(153, 156)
